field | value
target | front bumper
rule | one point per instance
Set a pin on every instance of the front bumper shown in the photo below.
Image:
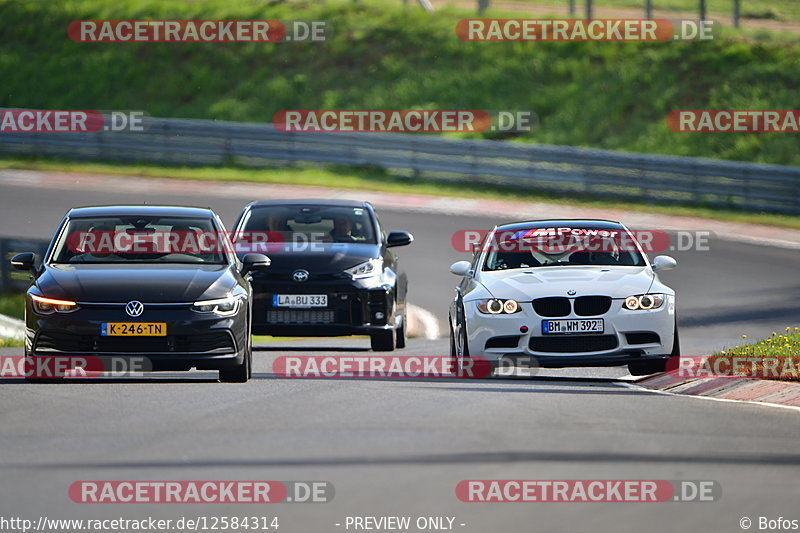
(628, 336)
(193, 340)
(352, 309)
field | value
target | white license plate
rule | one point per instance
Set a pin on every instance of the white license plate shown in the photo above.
(300, 300)
(572, 326)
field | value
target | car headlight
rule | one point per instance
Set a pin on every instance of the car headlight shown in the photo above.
(643, 301)
(493, 306)
(45, 306)
(367, 269)
(220, 306)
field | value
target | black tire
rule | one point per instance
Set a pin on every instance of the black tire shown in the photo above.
(480, 369)
(242, 372)
(676, 343)
(382, 341)
(645, 368)
(453, 355)
(401, 333)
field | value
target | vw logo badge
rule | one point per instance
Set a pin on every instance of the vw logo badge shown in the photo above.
(300, 275)
(134, 308)
(571, 292)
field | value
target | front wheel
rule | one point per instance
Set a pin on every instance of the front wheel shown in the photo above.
(645, 368)
(240, 373)
(401, 333)
(382, 341)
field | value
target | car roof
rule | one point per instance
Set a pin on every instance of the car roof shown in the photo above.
(143, 210)
(563, 223)
(310, 201)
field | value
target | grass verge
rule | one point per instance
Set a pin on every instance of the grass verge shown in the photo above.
(776, 357)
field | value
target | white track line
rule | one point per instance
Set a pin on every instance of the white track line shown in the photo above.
(728, 400)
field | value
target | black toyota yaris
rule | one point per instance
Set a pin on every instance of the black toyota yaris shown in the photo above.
(333, 271)
(151, 281)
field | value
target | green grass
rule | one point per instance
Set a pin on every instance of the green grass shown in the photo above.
(382, 55)
(770, 352)
(12, 304)
(785, 343)
(378, 180)
(11, 343)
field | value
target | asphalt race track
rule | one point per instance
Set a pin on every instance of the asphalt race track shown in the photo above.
(399, 447)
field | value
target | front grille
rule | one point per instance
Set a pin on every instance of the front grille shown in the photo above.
(592, 305)
(506, 341)
(643, 337)
(573, 344)
(550, 307)
(300, 316)
(215, 341)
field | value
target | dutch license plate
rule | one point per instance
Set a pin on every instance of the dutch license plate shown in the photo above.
(133, 329)
(300, 300)
(572, 326)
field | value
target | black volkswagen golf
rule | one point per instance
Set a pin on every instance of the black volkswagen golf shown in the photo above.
(333, 271)
(159, 282)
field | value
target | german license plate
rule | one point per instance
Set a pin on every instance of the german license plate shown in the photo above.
(300, 300)
(572, 326)
(133, 329)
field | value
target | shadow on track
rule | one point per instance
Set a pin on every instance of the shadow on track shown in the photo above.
(486, 457)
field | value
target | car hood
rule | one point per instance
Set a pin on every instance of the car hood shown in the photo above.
(317, 258)
(146, 283)
(527, 284)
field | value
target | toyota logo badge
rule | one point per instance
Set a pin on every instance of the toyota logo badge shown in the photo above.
(300, 275)
(134, 308)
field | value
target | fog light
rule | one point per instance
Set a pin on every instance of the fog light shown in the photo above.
(379, 315)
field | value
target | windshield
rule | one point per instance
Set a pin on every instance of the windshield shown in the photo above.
(308, 223)
(140, 239)
(544, 247)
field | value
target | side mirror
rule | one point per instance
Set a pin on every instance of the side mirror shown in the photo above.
(664, 262)
(24, 261)
(252, 262)
(399, 238)
(461, 268)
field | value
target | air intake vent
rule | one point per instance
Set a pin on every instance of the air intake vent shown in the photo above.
(573, 344)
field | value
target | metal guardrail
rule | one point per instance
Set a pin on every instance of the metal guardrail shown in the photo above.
(559, 169)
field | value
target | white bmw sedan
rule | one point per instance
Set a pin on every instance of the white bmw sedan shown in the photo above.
(563, 293)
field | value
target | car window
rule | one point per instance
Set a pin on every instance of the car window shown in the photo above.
(311, 223)
(532, 248)
(140, 239)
